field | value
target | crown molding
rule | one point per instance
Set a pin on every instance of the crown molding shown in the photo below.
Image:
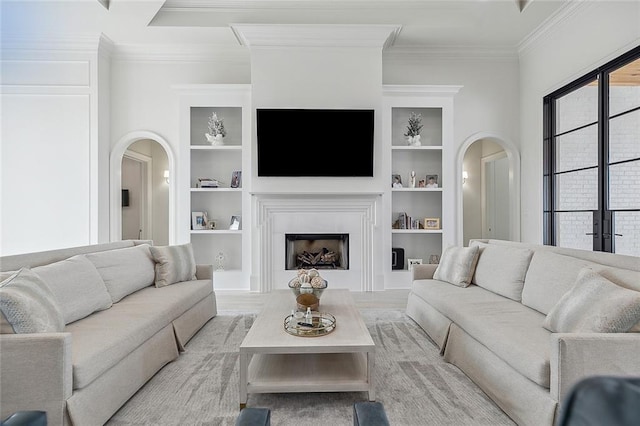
(179, 53)
(106, 46)
(421, 54)
(319, 35)
(209, 5)
(566, 11)
(62, 42)
(419, 90)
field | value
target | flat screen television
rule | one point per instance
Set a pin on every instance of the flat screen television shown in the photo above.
(315, 142)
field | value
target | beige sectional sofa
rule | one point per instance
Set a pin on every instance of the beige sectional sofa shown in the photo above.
(495, 331)
(119, 330)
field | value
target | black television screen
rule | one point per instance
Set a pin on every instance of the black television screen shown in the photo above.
(315, 142)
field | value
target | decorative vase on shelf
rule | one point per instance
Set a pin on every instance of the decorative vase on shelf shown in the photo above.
(413, 129)
(308, 281)
(414, 140)
(216, 131)
(215, 140)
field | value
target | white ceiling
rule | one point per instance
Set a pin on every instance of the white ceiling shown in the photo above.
(487, 24)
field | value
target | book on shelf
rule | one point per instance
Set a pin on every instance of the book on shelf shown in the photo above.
(402, 219)
(407, 222)
(207, 183)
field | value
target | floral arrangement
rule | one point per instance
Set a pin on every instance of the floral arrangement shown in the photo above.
(415, 125)
(216, 126)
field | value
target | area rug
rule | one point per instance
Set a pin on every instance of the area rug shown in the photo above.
(413, 383)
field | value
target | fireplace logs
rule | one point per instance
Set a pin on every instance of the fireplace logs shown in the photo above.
(320, 251)
(325, 257)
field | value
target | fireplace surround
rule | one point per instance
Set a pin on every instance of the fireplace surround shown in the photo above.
(280, 214)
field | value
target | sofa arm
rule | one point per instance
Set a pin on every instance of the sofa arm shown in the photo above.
(36, 373)
(575, 356)
(423, 272)
(204, 272)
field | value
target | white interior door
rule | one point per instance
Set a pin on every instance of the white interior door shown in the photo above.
(136, 221)
(495, 209)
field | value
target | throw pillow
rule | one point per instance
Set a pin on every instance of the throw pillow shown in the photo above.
(77, 286)
(174, 264)
(28, 305)
(125, 270)
(501, 269)
(594, 305)
(457, 265)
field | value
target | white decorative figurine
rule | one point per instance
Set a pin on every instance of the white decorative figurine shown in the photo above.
(413, 179)
(220, 260)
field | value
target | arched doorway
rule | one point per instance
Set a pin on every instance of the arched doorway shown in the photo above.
(153, 200)
(488, 167)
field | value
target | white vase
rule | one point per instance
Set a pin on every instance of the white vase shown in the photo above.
(215, 140)
(414, 140)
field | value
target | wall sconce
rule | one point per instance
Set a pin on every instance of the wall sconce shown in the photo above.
(166, 176)
(465, 176)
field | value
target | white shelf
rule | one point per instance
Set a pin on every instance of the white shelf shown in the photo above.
(416, 231)
(216, 189)
(416, 148)
(416, 189)
(216, 231)
(217, 147)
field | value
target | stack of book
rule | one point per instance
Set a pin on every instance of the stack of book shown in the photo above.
(207, 183)
(407, 222)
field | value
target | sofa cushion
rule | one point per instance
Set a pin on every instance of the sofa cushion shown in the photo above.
(624, 278)
(549, 277)
(594, 305)
(125, 270)
(174, 264)
(511, 331)
(457, 265)
(103, 339)
(28, 305)
(77, 286)
(502, 269)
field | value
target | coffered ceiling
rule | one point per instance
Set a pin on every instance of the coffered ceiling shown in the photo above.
(487, 24)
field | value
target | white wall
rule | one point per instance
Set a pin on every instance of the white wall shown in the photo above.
(319, 77)
(142, 99)
(51, 149)
(488, 100)
(593, 34)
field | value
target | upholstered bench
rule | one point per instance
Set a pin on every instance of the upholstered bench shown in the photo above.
(369, 414)
(252, 416)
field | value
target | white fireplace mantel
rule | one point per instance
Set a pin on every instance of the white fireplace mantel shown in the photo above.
(276, 214)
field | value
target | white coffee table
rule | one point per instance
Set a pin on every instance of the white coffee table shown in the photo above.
(274, 361)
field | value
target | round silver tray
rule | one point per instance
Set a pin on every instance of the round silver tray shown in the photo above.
(322, 323)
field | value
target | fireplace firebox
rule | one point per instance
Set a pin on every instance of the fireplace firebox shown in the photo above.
(320, 251)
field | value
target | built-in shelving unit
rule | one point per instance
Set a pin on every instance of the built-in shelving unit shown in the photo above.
(432, 158)
(232, 104)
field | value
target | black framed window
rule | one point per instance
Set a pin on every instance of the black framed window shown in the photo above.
(591, 172)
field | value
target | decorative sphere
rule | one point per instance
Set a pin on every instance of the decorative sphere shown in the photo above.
(318, 282)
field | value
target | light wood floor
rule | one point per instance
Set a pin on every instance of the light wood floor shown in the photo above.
(247, 301)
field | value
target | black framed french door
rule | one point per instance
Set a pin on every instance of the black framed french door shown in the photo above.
(592, 160)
